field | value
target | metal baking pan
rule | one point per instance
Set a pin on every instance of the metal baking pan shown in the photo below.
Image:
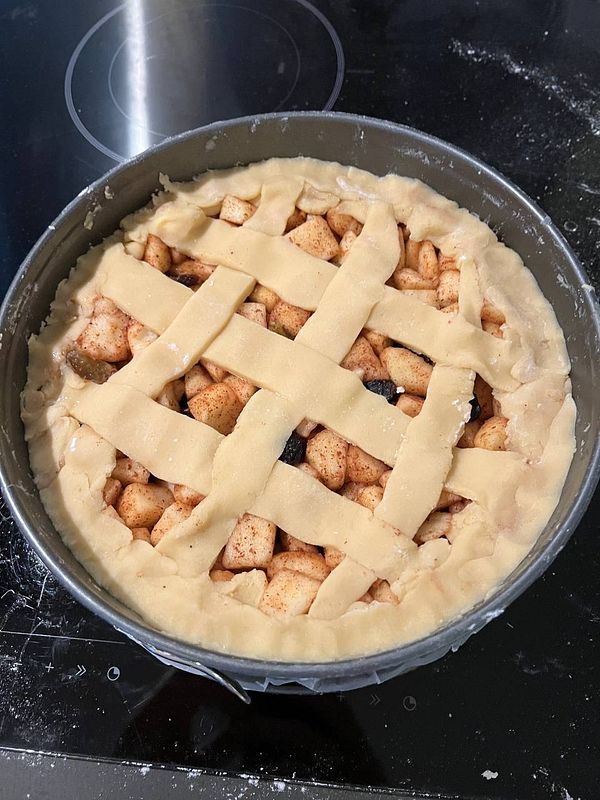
(379, 147)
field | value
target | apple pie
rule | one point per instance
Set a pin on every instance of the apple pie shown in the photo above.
(296, 411)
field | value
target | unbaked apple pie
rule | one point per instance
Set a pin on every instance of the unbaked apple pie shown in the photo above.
(296, 411)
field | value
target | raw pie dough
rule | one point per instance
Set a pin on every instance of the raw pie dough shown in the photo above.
(74, 427)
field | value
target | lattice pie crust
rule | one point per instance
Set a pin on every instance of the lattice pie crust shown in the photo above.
(403, 361)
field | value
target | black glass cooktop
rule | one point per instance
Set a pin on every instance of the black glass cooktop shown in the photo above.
(515, 713)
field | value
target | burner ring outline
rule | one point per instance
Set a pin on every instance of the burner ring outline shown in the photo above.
(107, 151)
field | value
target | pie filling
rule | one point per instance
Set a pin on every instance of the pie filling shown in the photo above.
(186, 389)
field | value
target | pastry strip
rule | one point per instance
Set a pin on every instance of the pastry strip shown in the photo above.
(258, 438)
(345, 584)
(445, 338)
(355, 288)
(470, 298)
(273, 362)
(260, 433)
(333, 521)
(172, 446)
(183, 342)
(277, 203)
(301, 279)
(275, 262)
(425, 455)
(140, 290)
(488, 477)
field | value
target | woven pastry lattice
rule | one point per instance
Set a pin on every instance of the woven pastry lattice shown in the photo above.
(298, 379)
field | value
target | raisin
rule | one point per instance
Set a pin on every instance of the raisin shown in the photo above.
(386, 389)
(294, 450)
(186, 279)
(88, 368)
(475, 409)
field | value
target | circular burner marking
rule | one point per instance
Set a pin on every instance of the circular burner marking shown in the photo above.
(175, 71)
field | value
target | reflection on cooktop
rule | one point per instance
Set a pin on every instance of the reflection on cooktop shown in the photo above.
(147, 70)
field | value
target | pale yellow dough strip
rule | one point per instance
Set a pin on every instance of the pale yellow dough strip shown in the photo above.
(489, 477)
(140, 290)
(470, 298)
(445, 338)
(273, 261)
(277, 203)
(298, 373)
(157, 311)
(172, 446)
(306, 509)
(355, 208)
(200, 320)
(345, 584)
(425, 455)
(241, 468)
(178, 449)
(356, 287)
(486, 477)
(206, 532)
(301, 279)
(181, 450)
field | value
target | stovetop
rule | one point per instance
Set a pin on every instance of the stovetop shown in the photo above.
(516, 711)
